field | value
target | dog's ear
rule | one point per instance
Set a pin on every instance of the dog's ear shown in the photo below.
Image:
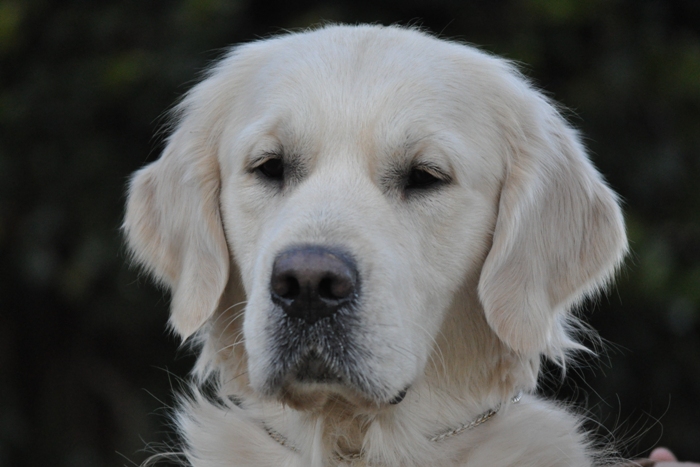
(559, 234)
(173, 226)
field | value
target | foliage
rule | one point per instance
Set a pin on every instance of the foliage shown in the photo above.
(83, 88)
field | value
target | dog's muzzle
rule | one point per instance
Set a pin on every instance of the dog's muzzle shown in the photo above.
(316, 290)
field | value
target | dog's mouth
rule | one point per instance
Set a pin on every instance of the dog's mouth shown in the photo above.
(313, 368)
(324, 353)
(311, 363)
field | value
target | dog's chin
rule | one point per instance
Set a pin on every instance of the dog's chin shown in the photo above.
(305, 367)
(312, 385)
(311, 397)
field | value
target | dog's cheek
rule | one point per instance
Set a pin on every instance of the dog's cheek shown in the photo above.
(248, 215)
(455, 236)
(247, 228)
(257, 345)
(401, 315)
(453, 241)
(471, 238)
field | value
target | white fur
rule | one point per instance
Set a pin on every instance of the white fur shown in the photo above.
(464, 287)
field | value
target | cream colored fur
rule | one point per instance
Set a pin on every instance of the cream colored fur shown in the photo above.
(465, 286)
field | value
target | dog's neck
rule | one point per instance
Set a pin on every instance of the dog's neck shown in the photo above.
(344, 449)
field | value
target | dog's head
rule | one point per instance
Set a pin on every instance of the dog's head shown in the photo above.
(346, 184)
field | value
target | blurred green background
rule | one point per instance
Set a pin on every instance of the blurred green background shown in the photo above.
(86, 367)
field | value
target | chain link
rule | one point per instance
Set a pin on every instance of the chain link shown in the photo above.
(483, 418)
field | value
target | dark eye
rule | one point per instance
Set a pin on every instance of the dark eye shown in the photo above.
(420, 178)
(272, 169)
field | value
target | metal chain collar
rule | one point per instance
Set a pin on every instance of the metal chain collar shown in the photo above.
(483, 418)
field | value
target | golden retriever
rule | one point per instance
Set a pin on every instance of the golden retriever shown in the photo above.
(374, 236)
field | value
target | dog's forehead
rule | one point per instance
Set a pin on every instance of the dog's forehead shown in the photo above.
(356, 59)
(350, 72)
(386, 91)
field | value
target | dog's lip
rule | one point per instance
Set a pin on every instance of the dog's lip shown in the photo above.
(306, 396)
(399, 397)
(324, 359)
(314, 368)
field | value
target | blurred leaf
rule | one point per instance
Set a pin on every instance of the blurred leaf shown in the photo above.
(125, 69)
(566, 11)
(10, 22)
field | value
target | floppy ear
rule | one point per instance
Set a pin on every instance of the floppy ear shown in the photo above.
(559, 233)
(173, 227)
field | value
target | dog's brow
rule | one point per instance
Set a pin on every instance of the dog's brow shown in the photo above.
(412, 140)
(256, 159)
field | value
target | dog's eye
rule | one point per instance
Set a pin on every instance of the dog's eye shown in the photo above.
(272, 168)
(422, 177)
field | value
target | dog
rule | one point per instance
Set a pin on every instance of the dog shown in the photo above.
(374, 236)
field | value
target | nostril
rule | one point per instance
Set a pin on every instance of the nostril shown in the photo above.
(286, 286)
(334, 287)
(325, 289)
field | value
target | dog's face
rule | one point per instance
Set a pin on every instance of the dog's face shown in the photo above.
(355, 185)
(355, 179)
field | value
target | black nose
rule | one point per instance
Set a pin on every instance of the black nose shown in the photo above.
(312, 283)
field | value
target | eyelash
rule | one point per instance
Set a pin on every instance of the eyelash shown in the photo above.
(422, 177)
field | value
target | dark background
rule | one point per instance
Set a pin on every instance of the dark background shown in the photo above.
(86, 366)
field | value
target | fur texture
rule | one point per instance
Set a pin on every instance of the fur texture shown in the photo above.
(466, 277)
